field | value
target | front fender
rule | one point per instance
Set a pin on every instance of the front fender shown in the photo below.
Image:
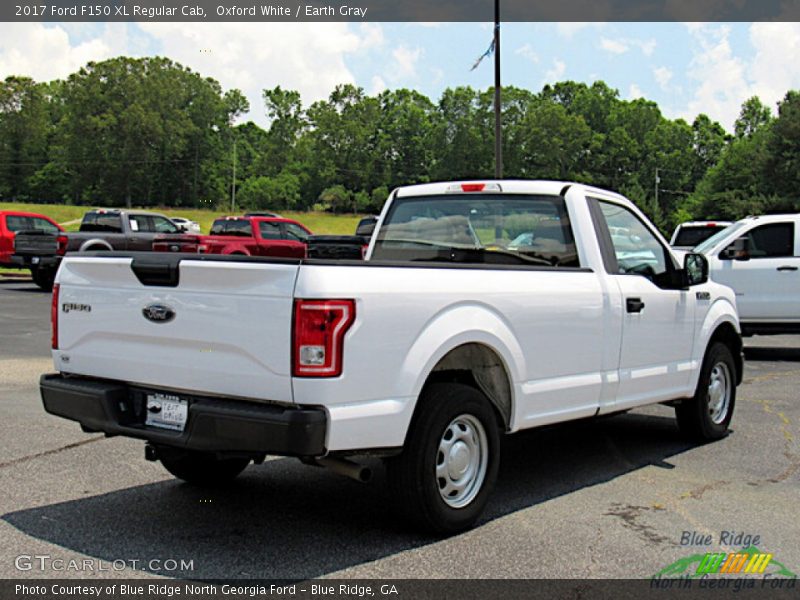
(722, 311)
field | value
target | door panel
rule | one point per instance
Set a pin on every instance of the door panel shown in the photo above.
(767, 285)
(658, 321)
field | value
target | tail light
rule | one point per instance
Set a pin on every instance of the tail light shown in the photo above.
(61, 245)
(364, 249)
(54, 318)
(319, 329)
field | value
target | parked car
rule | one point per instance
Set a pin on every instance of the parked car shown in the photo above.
(246, 236)
(13, 222)
(100, 230)
(186, 225)
(759, 257)
(423, 354)
(692, 233)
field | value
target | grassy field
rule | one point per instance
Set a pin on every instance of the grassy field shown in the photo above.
(69, 217)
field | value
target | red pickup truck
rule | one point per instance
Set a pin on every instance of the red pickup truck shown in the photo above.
(248, 236)
(11, 222)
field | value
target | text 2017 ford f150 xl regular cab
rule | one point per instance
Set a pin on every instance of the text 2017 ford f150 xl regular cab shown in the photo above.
(481, 309)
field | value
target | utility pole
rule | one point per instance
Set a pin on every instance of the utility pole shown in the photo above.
(656, 207)
(498, 132)
(233, 178)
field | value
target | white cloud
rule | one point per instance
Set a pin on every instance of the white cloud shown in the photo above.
(623, 45)
(526, 51)
(720, 76)
(45, 52)
(635, 92)
(377, 85)
(663, 76)
(774, 70)
(614, 46)
(555, 74)
(646, 46)
(307, 57)
(569, 29)
(406, 61)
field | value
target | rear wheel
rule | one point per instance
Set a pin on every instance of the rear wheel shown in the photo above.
(44, 278)
(201, 468)
(708, 414)
(443, 478)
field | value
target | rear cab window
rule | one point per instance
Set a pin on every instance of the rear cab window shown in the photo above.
(235, 227)
(693, 235)
(514, 229)
(108, 222)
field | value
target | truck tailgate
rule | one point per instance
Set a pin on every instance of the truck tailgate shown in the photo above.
(224, 329)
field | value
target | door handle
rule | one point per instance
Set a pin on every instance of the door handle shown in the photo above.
(634, 305)
(787, 268)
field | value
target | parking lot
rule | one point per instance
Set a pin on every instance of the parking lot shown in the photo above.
(606, 498)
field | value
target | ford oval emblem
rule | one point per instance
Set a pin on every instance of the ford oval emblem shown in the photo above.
(158, 313)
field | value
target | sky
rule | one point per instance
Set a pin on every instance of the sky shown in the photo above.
(687, 68)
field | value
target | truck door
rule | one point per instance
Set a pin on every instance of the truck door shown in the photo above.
(658, 320)
(767, 284)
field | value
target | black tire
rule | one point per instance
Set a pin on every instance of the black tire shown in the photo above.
(201, 468)
(44, 278)
(412, 476)
(699, 418)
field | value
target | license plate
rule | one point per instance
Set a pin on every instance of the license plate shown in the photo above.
(35, 260)
(167, 412)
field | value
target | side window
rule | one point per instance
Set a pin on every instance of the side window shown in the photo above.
(140, 223)
(775, 240)
(637, 250)
(295, 233)
(162, 225)
(44, 225)
(269, 230)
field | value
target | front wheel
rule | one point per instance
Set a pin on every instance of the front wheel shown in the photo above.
(201, 468)
(448, 467)
(708, 414)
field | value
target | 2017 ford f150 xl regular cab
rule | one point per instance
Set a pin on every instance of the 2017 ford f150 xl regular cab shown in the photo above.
(481, 309)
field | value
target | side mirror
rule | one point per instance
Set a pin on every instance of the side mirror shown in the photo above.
(738, 250)
(696, 268)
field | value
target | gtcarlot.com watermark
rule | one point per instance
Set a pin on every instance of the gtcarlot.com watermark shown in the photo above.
(44, 563)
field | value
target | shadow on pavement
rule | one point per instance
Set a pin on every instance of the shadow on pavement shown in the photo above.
(286, 520)
(772, 354)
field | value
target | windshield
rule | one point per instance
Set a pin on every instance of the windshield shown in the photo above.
(478, 228)
(717, 237)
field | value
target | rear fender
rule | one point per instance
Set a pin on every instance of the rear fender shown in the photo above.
(467, 323)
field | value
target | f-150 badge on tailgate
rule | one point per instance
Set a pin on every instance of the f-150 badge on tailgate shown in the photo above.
(158, 313)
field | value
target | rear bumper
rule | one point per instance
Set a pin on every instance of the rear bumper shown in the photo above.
(26, 261)
(213, 425)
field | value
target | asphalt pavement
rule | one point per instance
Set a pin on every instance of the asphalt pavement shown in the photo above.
(612, 497)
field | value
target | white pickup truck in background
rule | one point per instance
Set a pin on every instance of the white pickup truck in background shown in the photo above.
(481, 309)
(759, 258)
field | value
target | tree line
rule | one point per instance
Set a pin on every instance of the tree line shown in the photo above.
(150, 132)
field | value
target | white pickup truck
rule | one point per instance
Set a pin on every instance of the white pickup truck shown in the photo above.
(482, 308)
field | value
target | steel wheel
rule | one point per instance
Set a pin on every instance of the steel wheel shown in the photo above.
(461, 461)
(719, 392)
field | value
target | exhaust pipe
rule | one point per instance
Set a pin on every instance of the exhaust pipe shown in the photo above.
(345, 467)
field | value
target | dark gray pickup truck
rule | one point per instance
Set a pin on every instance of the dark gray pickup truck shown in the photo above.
(100, 230)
